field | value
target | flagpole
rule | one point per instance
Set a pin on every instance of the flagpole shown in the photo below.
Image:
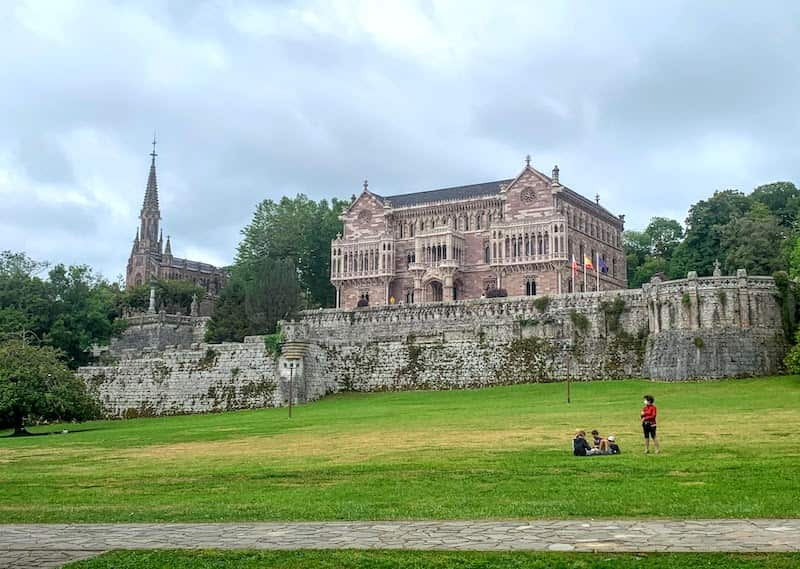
(584, 274)
(597, 268)
(573, 275)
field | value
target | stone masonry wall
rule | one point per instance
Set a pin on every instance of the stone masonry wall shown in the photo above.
(205, 377)
(160, 331)
(694, 328)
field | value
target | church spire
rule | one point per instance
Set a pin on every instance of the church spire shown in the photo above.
(151, 193)
(150, 215)
(168, 248)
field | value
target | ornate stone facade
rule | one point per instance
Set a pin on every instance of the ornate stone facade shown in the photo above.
(150, 257)
(519, 234)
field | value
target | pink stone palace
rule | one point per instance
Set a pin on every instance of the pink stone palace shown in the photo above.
(519, 234)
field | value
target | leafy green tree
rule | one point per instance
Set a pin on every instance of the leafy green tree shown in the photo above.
(665, 236)
(229, 322)
(754, 241)
(84, 312)
(72, 310)
(259, 294)
(704, 226)
(794, 257)
(272, 293)
(648, 252)
(299, 229)
(35, 384)
(175, 296)
(13, 263)
(782, 199)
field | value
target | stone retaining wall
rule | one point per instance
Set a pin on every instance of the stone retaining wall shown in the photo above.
(694, 328)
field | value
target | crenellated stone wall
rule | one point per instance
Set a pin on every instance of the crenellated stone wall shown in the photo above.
(694, 328)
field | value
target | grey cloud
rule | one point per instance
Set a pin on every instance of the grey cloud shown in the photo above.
(621, 95)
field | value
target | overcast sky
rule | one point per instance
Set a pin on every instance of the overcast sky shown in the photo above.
(651, 107)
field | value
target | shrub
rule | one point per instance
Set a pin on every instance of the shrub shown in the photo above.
(613, 312)
(698, 342)
(579, 321)
(273, 343)
(792, 359)
(788, 299)
(542, 303)
(496, 293)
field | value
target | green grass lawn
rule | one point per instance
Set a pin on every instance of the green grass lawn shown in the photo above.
(730, 449)
(433, 560)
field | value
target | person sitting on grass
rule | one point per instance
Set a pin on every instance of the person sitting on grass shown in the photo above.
(600, 444)
(649, 423)
(579, 445)
(613, 447)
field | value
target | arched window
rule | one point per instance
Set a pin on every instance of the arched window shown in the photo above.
(530, 286)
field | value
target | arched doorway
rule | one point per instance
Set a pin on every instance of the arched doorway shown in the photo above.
(435, 291)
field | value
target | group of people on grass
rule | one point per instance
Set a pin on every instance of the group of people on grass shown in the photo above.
(603, 445)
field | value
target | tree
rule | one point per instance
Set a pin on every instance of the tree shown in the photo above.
(72, 310)
(704, 224)
(794, 258)
(272, 293)
(229, 322)
(12, 263)
(649, 252)
(754, 242)
(299, 229)
(782, 199)
(174, 296)
(665, 236)
(85, 312)
(36, 384)
(258, 295)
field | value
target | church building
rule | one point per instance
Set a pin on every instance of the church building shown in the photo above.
(527, 235)
(151, 258)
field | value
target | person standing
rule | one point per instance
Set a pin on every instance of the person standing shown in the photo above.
(649, 423)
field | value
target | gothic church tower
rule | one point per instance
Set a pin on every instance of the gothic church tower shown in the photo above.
(146, 253)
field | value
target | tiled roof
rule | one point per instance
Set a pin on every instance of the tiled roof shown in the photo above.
(446, 194)
(179, 263)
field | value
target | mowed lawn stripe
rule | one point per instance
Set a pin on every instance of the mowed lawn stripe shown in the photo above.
(729, 451)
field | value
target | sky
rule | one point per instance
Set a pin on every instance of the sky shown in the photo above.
(651, 107)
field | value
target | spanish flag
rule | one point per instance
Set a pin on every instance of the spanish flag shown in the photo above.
(587, 263)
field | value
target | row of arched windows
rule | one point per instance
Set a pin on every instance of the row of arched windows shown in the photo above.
(460, 222)
(593, 227)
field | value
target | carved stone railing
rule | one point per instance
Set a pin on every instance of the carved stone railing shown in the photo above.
(519, 243)
(364, 258)
(438, 248)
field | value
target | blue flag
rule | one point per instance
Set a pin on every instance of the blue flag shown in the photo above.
(603, 266)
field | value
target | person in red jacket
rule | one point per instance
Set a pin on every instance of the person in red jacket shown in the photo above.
(649, 423)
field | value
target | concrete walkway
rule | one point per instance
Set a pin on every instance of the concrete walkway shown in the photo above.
(52, 545)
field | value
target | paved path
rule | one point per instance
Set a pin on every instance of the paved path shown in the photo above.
(52, 545)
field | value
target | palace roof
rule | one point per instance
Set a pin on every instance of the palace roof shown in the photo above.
(447, 194)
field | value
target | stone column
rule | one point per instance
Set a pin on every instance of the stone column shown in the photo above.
(744, 298)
